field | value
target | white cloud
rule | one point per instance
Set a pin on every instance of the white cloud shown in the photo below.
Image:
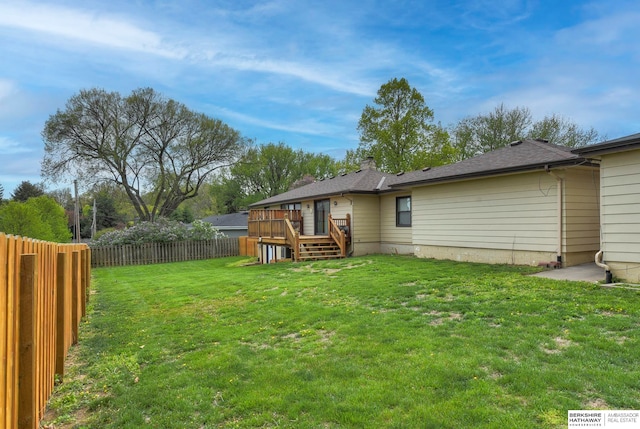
(10, 147)
(307, 72)
(490, 15)
(610, 35)
(13, 103)
(84, 27)
(235, 47)
(306, 126)
(7, 89)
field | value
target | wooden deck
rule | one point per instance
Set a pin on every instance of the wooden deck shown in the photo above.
(284, 228)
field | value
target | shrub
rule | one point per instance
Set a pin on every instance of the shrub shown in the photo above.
(40, 218)
(53, 216)
(161, 231)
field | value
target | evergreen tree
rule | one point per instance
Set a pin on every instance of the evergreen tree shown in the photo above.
(26, 190)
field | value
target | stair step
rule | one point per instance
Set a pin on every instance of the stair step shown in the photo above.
(317, 248)
(320, 253)
(316, 257)
(320, 249)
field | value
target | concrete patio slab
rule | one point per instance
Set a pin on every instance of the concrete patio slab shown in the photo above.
(580, 273)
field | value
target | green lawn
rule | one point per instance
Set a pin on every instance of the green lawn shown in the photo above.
(368, 342)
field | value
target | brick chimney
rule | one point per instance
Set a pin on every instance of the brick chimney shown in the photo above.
(368, 164)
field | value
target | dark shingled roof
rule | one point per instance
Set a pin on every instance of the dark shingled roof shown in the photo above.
(518, 156)
(232, 219)
(368, 181)
(610, 146)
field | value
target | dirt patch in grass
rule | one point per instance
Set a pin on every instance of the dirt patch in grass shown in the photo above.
(295, 336)
(326, 336)
(597, 404)
(621, 339)
(442, 317)
(560, 345)
(331, 270)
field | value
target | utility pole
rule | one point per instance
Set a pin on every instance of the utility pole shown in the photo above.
(94, 225)
(76, 213)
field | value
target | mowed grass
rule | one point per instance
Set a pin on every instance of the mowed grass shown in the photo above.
(368, 342)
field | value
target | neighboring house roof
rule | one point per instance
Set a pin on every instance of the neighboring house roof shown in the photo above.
(610, 146)
(365, 181)
(519, 156)
(229, 221)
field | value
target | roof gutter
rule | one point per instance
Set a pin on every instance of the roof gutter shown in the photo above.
(311, 197)
(604, 148)
(485, 173)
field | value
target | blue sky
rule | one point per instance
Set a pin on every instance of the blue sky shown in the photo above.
(301, 71)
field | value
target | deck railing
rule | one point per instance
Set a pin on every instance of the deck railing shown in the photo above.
(338, 230)
(293, 239)
(270, 223)
(284, 227)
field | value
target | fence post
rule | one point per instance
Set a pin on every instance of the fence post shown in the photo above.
(76, 313)
(61, 311)
(86, 272)
(84, 293)
(27, 413)
(7, 332)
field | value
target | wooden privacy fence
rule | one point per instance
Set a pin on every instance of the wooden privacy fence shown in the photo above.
(156, 253)
(43, 293)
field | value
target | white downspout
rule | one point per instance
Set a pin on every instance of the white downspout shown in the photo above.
(559, 182)
(607, 273)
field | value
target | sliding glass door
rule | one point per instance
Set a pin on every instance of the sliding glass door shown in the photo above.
(321, 217)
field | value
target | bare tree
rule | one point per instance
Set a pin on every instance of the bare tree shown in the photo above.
(156, 149)
(484, 133)
(559, 130)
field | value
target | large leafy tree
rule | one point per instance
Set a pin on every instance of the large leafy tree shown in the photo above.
(107, 214)
(486, 132)
(268, 170)
(397, 130)
(159, 151)
(199, 207)
(228, 194)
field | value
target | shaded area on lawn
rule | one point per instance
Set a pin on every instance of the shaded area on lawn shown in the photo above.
(377, 341)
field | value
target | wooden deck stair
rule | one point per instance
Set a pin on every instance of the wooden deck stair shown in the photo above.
(317, 248)
(283, 228)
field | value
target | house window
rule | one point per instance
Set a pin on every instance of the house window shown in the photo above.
(403, 211)
(291, 206)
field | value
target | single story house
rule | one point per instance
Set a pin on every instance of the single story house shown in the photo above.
(232, 225)
(619, 203)
(530, 202)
